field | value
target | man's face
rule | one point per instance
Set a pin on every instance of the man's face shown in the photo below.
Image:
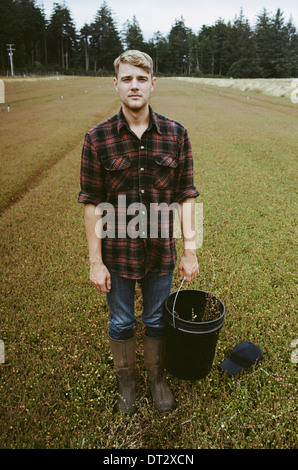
(134, 86)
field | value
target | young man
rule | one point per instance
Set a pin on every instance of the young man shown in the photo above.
(134, 163)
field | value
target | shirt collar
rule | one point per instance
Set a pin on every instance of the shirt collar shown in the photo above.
(121, 121)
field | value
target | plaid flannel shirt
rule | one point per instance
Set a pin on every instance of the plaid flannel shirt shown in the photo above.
(156, 169)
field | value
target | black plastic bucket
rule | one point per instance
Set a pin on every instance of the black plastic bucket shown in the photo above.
(191, 342)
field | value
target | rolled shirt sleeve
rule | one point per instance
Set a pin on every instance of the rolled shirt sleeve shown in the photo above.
(91, 175)
(185, 187)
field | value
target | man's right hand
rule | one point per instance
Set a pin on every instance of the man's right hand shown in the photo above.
(100, 277)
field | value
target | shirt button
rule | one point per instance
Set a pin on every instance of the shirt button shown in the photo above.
(142, 169)
(142, 191)
(142, 147)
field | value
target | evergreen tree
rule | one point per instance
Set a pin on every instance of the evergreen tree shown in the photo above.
(178, 47)
(85, 35)
(221, 49)
(206, 45)
(263, 37)
(62, 39)
(105, 40)
(132, 35)
(293, 48)
(193, 63)
(157, 48)
(9, 30)
(280, 61)
(21, 24)
(33, 26)
(242, 49)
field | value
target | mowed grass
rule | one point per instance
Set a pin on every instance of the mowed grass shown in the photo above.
(57, 383)
(45, 121)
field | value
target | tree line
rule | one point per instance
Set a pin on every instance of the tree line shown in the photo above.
(236, 49)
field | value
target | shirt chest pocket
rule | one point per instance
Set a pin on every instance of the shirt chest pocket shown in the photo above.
(165, 166)
(118, 174)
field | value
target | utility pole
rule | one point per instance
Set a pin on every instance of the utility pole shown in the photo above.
(10, 53)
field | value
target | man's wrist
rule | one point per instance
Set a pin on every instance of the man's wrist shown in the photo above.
(96, 262)
(189, 252)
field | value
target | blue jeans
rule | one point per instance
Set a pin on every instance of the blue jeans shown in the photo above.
(155, 290)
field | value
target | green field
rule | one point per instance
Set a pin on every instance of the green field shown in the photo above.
(57, 383)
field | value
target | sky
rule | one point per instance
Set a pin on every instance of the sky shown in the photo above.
(160, 15)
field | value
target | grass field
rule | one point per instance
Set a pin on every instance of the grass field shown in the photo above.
(57, 383)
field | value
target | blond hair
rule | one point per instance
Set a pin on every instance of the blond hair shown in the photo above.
(134, 57)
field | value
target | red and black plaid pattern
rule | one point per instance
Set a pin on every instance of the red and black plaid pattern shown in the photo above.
(150, 173)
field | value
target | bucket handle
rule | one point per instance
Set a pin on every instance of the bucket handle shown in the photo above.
(174, 304)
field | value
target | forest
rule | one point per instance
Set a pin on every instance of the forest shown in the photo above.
(31, 44)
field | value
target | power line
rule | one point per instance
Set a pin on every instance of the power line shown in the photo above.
(10, 49)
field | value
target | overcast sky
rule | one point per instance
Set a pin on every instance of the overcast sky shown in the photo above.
(160, 15)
